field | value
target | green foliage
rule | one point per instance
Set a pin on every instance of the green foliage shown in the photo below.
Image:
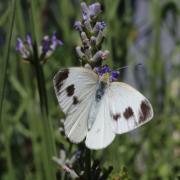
(151, 152)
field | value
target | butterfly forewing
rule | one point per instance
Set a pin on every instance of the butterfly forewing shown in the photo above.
(74, 89)
(128, 108)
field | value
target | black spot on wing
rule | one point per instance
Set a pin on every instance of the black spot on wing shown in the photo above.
(60, 77)
(116, 116)
(145, 111)
(75, 100)
(70, 90)
(128, 113)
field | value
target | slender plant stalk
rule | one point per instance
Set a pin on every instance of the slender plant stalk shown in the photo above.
(6, 56)
(46, 127)
(88, 164)
(46, 130)
(11, 172)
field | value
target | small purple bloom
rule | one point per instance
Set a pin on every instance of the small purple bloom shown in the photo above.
(100, 25)
(23, 48)
(19, 45)
(102, 70)
(105, 69)
(55, 41)
(46, 42)
(95, 9)
(29, 40)
(78, 25)
(90, 11)
(85, 11)
(48, 45)
(114, 75)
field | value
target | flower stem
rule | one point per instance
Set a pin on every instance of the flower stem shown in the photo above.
(88, 164)
(46, 126)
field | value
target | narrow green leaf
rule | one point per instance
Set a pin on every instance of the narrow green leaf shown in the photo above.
(6, 55)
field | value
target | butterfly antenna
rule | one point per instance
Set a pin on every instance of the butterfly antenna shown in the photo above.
(124, 67)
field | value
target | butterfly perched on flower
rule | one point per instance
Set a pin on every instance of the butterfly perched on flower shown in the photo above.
(97, 107)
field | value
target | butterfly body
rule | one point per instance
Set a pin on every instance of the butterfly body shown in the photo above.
(101, 87)
(97, 108)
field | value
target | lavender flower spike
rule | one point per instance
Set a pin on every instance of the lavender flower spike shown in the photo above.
(48, 45)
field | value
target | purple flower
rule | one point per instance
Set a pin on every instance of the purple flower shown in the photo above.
(78, 25)
(113, 75)
(90, 11)
(100, 26)
(85, 11)
(29, 40)
(19, 44)
(23, 48)
(95, 9)
(48, 45)
(55, 41)
(102, 70)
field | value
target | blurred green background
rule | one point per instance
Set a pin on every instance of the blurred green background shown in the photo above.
(138, 31)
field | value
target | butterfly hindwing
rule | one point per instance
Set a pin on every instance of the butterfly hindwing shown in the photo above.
(129, 109)
(74, 88)
(101, 134)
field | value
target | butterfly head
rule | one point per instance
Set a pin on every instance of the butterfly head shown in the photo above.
(106, 75)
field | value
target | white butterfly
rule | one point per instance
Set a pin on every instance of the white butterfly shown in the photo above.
(97, 108)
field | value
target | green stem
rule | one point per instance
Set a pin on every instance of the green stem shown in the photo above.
(88, 164)
(46, 126)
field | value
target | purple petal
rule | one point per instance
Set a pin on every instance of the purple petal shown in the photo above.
(29, 40)
(103, 70)
(114, 75)
(55, 41)
(95, 9)
(100, 25)
(19, 44)
(78, 25)
(46, 42)
(85, 11)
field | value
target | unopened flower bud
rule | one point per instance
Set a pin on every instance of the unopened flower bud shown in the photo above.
(100, 38)
(79, 52)
(93, 41)
(95, 9)
(99, 26)
(78, 26)
(88, 26)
